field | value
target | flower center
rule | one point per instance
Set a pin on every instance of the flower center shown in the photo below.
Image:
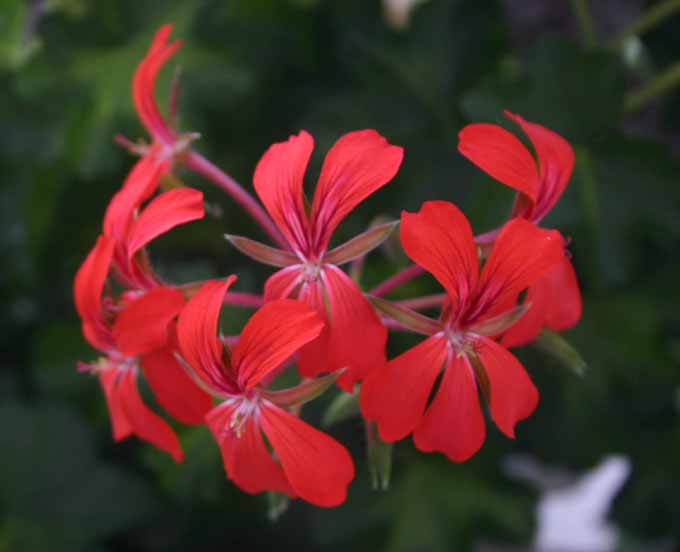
(246, 408)
(459, 341)
(311, 271)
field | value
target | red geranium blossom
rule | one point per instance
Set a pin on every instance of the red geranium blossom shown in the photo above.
(555, 297)
(305, 462)
(357, 165)
(478, 307)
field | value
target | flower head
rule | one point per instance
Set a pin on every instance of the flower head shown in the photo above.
(480, 305)
(305, 462)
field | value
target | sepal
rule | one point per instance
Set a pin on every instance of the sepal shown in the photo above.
(261, 252)
(306, 391)
(379, 457)
(408, 318)
(563, 351)
(362, 244)
(496, 325)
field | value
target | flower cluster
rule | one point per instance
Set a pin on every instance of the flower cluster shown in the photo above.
(502, 288)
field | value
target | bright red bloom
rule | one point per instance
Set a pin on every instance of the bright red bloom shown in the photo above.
(479, 307)
(134, 335)
(357, 165)
(555, 298)
(307, 462)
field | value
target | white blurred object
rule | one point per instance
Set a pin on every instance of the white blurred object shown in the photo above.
(571, 517)
(398, 12)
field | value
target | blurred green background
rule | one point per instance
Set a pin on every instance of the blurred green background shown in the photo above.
(254, 71)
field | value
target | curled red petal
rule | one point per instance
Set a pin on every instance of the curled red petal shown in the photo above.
(439, 238)
(521, 254)
(357, 165)
(501, 155)
(513, 396)
(555, 163)
(163, 213)
(174, 389)
(197, 335)
(318, 468)
(143, 85)
(120, 426)
(146, 424)
(246, 459)
(273, 333)
(87, 291)
(453, 423)
(395, 395)
(278, 182)
(283, 283)
(142, 326)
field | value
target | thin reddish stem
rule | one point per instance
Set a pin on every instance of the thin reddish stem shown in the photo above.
(200, 165)
(241, 299)
(400, 278)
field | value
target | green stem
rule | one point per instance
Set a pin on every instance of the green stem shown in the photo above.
(658, 86)
(653, 16)
(585, 22)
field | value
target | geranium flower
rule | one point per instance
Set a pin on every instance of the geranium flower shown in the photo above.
(133, 335)
(305, 462)
(479, 306)
(555, 297)
(356, 166)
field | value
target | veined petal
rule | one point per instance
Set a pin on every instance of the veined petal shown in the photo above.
(278, 182)
(522, 254)
(283, 283)
(356, 335)
(120, 426)
(513, 394)
(453, 423)
(439, 238)
(357, 165)
(555, 162)
(87, 291)
(272, 334)
(395, 395)
(197, 335)
(146, 424)
(361, 244)
(144, 80)
(174, 389)
(246, 459)
(142, 326)
(163, 213)
(555, 303)
(262, 253)
(501, 155)
(318, 468)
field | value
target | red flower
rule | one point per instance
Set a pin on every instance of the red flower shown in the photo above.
(356, 166)
(555, 297)
(131, 230)
(134, 335)
(479, 306)
(307, 463)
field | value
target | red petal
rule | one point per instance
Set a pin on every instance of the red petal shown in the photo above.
(166, 211)
(501, 155)
(87, 291)
(513, 395)
(197, 335)
(139, 185)
(173, 389)
(357, 165)
(316, 465)
(439, 239)
(356, 335)
(278, 182)
(246, 459)
(522, 254)
(453, 424)
(556, 163)
(283, 283)
(146, 424)
(142, 326)
(395, 395)
(108, 378)
(144, 80)
(555, 302)
(272, 334)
